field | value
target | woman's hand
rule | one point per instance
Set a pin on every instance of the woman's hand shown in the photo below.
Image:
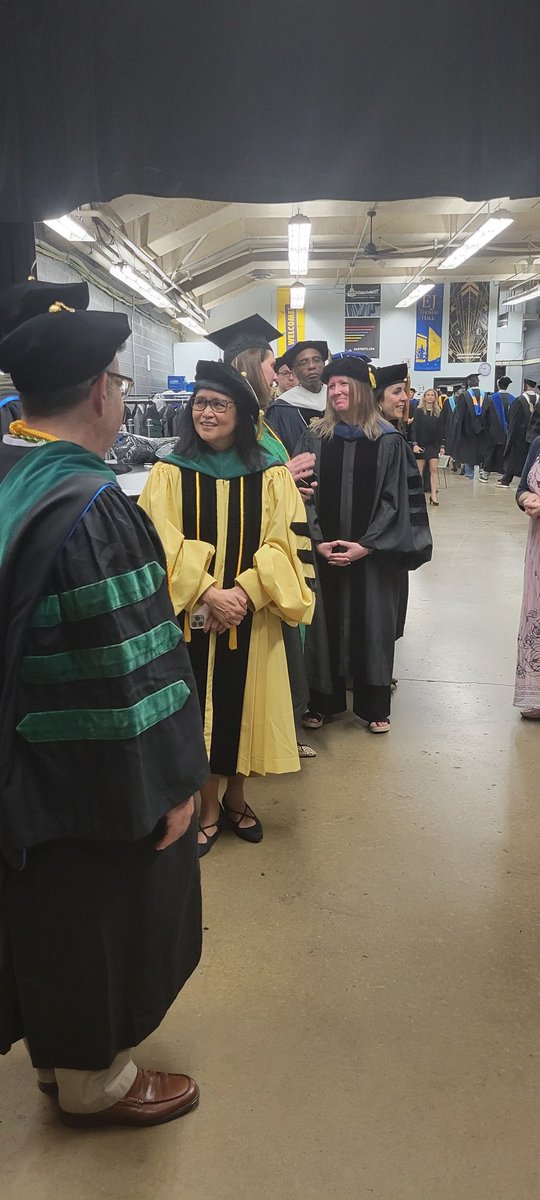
(417, 449)
(301, 469)
(227, 605)
(351, 552)
(531, 505)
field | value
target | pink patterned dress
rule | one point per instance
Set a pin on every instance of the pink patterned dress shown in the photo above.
(527, 693)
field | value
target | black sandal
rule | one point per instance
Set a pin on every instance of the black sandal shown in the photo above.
(206, 846)
(250, 833)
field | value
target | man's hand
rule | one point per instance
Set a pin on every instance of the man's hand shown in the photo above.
(177, 823)
(352, 552)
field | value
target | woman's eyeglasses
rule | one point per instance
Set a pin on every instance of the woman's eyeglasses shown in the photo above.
(217, 404)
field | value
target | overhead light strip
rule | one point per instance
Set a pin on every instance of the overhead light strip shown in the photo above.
(139, 284)
(421, 290)
(522, 297)
(299, 237)
(70, 229)
(486, 233)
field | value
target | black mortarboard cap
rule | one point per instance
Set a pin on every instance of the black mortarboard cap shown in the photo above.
(503, 381)
(253, 333)
(528, 380)
(291, 355)
(280, 362)
(354, 366)
(396, 373)
(221, 377)
(25, 300)
(473, 376)
(59, 349)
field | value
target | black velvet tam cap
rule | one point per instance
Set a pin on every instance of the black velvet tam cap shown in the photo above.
(29, 299)
(294, 352)
(253, 333)
(354, 366)
(62, 348)
(396, 373)
(220, 377)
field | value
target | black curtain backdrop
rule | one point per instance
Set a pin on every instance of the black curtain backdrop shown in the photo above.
(250, 101)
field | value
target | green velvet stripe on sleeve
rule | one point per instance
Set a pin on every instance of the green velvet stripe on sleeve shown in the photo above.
(102, 661)
(94, 599)
(104, 724)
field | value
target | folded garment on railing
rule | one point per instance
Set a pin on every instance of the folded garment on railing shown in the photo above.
(134, 448)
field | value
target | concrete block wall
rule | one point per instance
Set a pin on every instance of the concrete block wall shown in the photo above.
(149, 355)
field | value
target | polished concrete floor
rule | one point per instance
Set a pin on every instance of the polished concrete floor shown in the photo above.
(365, 1021)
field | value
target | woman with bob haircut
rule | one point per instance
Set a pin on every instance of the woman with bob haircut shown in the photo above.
(240, 563)
(371, 525)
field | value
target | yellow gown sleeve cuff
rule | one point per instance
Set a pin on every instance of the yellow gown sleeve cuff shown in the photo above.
(250, 582)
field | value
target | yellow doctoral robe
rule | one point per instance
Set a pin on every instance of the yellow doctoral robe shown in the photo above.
(249, 527)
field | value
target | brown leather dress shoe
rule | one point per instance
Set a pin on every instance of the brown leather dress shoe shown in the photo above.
(153, 1098)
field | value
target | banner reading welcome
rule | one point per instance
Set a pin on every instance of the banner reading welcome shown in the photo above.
(428, 342)
(291, 321)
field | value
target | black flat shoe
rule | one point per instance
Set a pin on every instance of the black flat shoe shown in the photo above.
(205, 847)
(251, 833)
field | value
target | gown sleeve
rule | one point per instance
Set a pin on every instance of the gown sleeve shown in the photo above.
(188, 560)
(399, 524)
(282, 574)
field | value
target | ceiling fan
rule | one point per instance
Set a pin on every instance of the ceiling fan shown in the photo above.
(370, 249)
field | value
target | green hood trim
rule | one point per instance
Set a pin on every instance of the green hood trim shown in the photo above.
(39, 472)
(228, 464)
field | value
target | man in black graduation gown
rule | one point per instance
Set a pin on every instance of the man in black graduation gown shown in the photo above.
(291, 413)
(516, 447)
(495, 416)
(468, 430)
(101, 745)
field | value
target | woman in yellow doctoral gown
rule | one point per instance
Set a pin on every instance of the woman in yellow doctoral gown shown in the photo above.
(239, 557)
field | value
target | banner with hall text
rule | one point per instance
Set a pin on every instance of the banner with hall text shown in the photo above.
(291, 321)
(428, 341)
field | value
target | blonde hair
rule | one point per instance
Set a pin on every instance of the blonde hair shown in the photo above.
(249, 363)
(436, 407)
(366, 414)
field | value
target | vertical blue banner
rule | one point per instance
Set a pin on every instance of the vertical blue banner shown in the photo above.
(428, 341)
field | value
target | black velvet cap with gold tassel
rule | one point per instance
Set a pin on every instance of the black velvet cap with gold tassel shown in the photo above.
(32, 298)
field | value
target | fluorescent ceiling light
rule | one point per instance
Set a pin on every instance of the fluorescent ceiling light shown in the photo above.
(522, 297)
(191, 323)
(299, 236)
(420, 290)
(489, 230)
(298, 295)
(70, 229)
(140, 284)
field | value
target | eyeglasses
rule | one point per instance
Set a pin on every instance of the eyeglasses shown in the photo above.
(217, 404)
(126, 384)
(285, 371)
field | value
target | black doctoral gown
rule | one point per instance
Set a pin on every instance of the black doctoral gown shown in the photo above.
(468, 433)
(516, 448)
(370, 492)
(289, 422)
(447, 426)
(100, 736)
(495, 417)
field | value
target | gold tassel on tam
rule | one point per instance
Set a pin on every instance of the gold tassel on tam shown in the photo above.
(59, 307)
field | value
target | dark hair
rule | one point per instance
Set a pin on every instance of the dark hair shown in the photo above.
(57, 402)
(190, 445)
